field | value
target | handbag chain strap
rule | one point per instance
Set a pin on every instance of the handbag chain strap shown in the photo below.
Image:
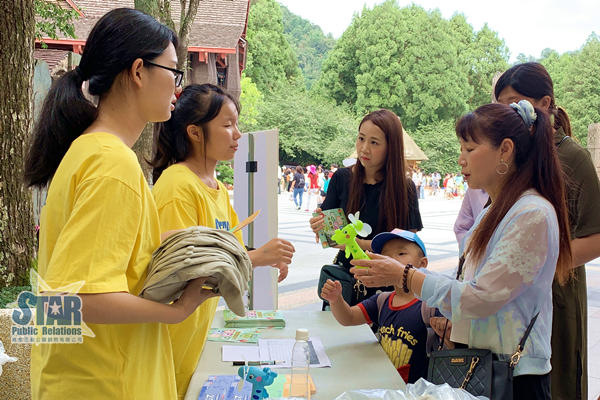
(474, 362)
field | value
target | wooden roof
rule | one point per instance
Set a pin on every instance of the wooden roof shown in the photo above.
(51, 56)
(218, 23)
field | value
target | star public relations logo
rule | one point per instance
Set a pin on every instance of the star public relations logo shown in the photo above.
(47, 315)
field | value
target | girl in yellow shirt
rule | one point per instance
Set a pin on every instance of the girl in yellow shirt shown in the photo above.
(100, 224)
(201, 132)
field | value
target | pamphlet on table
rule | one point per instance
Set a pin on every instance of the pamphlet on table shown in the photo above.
(254, 319)
(233, 335)
(277, 350)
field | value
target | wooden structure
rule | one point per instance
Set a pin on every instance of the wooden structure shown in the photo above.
(217, 49)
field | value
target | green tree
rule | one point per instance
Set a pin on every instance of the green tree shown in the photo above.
(309, 43)
(559, 66)
(404, 59)
(439, 142)
(581, 88)
(250, 100)
(311, 129)
(522, 58)
(271, 61)
(52, 20)
(488, 54)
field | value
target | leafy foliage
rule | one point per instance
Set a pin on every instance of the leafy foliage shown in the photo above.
(224, 172)
(580, 87)
(309, 43)
(438, 141)
(271, 61)
(53, 19)
(311, 129)
(9, 294)
(250, 99)
(414, 62)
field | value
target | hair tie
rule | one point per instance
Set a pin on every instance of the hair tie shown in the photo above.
(80, 73)
(526, 111)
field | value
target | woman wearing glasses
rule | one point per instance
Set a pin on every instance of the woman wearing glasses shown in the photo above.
(100, 225)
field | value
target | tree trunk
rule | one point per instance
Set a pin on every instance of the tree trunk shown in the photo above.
(150, 7)
(17, 230)
(143, 146)
(188, 15)
(143, 150)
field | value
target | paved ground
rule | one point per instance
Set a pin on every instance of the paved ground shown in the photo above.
(298, 291)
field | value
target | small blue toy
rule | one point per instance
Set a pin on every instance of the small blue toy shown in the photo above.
(259, 378)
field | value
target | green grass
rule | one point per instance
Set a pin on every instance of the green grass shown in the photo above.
(10, 294)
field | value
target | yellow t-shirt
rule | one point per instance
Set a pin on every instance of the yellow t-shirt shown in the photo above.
(183, 200)
(100, 225)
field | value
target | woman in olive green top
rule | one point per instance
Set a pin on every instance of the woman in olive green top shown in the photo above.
(531, 81)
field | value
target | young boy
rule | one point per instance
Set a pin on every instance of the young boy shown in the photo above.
(402, 318)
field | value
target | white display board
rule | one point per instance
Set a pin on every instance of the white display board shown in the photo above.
(258, 191)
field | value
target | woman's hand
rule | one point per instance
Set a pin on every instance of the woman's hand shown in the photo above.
(331, 291)
(283, 270)
(193, 296)
(169, 233)
(382, 271)
(274, 252)
(316, 223)
(439, 324)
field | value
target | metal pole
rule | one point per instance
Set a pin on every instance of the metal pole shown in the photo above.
(250, 169)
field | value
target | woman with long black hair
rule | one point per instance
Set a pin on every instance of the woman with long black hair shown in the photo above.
(376, 185)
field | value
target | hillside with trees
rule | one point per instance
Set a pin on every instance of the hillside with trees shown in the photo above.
(427, 69)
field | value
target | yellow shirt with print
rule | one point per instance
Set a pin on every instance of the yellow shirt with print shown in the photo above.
(183, 200)
(100, 225)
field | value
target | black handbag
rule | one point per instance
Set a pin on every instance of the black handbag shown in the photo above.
(353, 291)
(479, 371)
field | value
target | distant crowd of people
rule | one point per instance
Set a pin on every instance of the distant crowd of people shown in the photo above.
(451, 187)
(311, 179)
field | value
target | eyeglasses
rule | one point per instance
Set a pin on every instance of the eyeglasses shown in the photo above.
(178, 74)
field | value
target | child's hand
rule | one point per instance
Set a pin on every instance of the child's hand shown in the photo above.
(331, 291)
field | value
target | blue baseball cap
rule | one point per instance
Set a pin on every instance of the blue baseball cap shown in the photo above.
(384, 237)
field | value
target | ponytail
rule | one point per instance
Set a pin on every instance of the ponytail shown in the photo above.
(549, 180)
(196, 105)
(171, 148)
(562, 120)
(537, 167)
(66, 112)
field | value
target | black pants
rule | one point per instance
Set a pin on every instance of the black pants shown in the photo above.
(531, 387)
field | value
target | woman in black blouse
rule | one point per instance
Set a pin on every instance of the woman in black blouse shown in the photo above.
(376, 185)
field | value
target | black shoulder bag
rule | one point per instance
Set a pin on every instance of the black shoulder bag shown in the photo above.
(479, 371)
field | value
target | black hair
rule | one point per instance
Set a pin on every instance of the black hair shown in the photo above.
(118, 39)
(197, 105)
(532, 80)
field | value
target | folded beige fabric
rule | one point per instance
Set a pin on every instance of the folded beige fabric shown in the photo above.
(196, 252)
